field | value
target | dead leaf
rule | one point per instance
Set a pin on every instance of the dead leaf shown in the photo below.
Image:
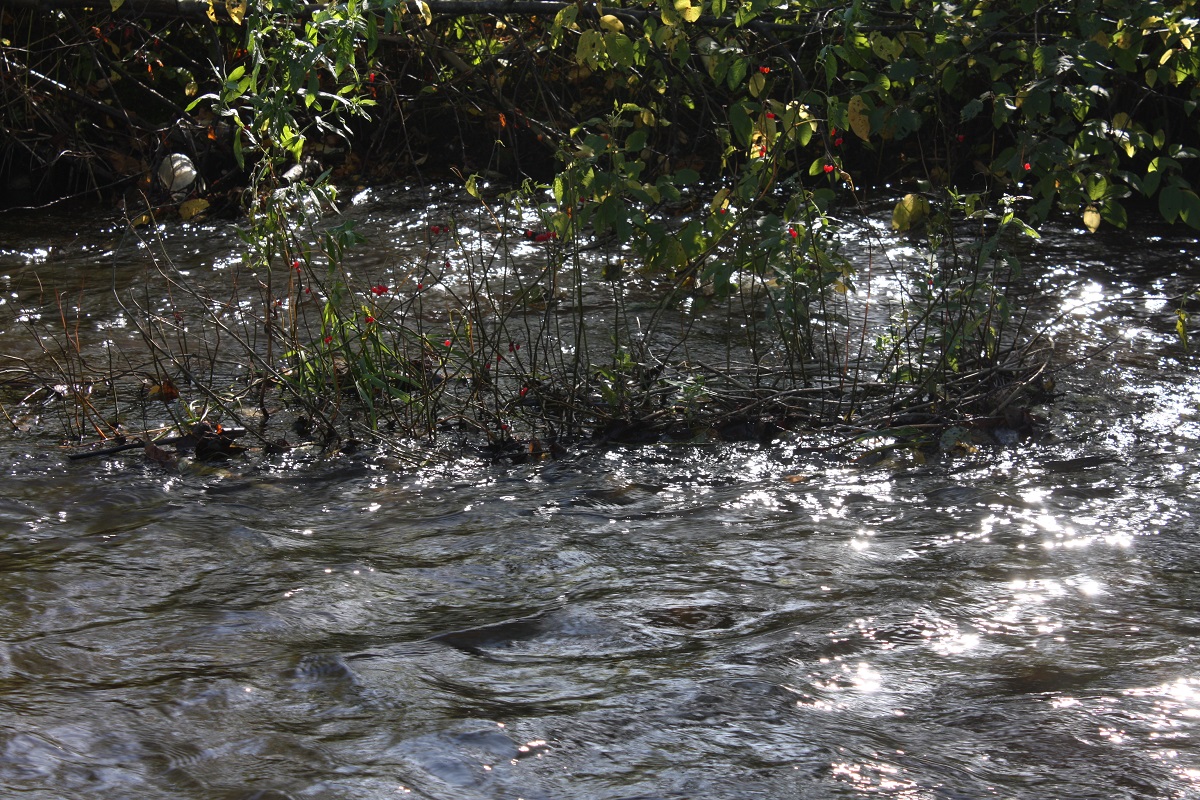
(860, 122)
(156, 390)
(190, 208)
(160, 456)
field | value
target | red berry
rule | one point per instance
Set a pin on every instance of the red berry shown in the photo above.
(828, 168)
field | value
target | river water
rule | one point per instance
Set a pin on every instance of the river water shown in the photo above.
(665, 621)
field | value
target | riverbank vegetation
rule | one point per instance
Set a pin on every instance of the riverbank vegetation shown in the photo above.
(646, 179)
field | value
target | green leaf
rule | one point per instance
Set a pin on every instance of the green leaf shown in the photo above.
(828, 61)
(904, 70)
(1170, 202)
(745, 13)
(743, 126)
(971, 110)
(1189, 210)
(620, 49)
(737, 73)
(237, 149)
(757, 83)
(692, 239)
(589, 45)
(1150, 183)
(1114, 214)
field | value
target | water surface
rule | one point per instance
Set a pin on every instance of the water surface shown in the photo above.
(667, 621)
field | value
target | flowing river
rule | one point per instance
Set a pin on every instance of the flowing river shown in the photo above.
(717, 621)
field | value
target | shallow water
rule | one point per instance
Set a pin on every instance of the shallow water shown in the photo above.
(668, 621)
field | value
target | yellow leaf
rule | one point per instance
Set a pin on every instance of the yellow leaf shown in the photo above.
(212, 12)
(910, 211)
(236, 10)
(611, 24)
(1091, 219)
(860, 123)
(426, 12)
(758, 82)
(190, 208)
(720, 201)
(116, 4)
(691, 13)
(143, 219)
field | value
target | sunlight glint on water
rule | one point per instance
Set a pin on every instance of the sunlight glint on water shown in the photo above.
(717, 621)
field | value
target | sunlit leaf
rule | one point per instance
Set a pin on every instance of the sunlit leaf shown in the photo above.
(190, 208)
(236, 10)
(163, 390)
(910, 211)
(719, 202)
(857, 113)
(612, 24)
(1091, 218)
(757, 83)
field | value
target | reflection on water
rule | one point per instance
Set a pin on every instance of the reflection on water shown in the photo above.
(725, 621)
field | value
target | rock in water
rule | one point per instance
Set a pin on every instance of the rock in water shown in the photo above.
(177, 174)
